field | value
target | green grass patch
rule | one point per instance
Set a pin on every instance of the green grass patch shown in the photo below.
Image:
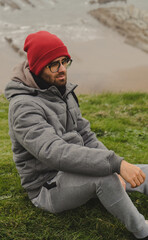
(120, 121)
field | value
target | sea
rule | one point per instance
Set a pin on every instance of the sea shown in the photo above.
(69, 19)
(101, 59)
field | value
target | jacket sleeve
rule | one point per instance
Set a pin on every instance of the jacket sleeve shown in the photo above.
(89, 137)
(39, 138)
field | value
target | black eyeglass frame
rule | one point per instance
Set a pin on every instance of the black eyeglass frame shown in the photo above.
(59, 64)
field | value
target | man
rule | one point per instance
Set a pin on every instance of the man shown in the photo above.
(60, 161)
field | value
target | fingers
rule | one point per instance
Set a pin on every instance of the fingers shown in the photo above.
(132, 174)
(141, 177)
(138, 178)
(143, 174)
(135, 183)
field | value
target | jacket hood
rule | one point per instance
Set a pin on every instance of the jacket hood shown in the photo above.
(22, 82)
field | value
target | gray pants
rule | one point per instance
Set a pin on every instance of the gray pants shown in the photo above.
(73, 190)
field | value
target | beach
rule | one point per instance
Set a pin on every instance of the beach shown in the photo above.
(102, 60)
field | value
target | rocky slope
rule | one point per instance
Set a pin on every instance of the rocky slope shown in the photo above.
(129, 21)
(101, 59)
(68, 19)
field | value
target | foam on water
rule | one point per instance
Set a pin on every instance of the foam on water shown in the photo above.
(88, 42)
(67, 18)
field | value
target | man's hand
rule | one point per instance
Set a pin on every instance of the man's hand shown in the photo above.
(132, 174)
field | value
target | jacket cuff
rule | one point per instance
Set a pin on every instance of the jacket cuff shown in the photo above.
(115, 162)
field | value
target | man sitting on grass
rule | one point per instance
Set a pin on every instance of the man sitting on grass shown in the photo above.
(60, 161)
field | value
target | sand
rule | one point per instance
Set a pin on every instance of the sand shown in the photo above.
(109, 65)
(105, 64)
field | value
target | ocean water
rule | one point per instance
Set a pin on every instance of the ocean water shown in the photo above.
(69, 19)
(89, 42)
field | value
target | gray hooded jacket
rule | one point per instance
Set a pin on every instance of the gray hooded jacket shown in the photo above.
(48, 134)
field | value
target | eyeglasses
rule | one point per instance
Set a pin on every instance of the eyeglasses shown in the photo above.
(54, 66)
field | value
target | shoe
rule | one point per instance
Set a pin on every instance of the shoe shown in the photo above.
(146, 238)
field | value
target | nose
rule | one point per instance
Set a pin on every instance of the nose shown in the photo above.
(62, 68)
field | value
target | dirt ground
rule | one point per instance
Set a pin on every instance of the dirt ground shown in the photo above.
(101, 65)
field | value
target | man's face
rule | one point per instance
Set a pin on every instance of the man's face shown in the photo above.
(58, 78)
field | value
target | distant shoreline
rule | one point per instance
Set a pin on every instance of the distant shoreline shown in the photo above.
(105, 63)
(128, 21)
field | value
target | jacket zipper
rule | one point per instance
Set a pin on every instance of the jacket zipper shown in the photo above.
(64, 99)
(70, 114)
(68, 110)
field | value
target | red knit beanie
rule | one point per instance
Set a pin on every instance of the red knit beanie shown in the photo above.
(43, 47)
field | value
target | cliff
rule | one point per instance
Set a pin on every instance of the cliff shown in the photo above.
(129, 21)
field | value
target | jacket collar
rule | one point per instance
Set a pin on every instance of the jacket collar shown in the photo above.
(23, 83)
(54, 90)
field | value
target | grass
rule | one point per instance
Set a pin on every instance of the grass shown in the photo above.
(120, 121)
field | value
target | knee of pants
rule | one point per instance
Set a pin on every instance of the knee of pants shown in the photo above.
(110, 190)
